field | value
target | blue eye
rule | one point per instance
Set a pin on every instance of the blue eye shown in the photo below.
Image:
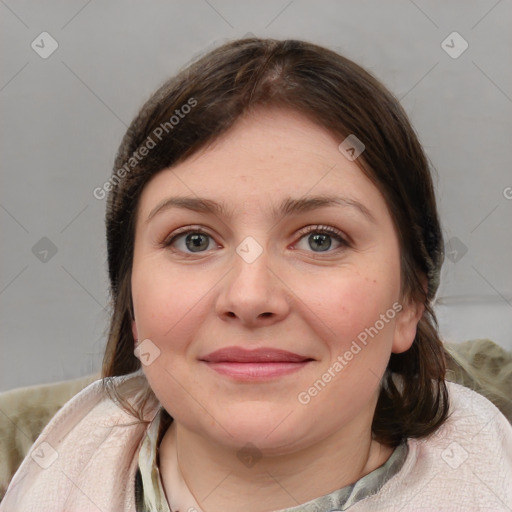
(196, 240)
(320, 237)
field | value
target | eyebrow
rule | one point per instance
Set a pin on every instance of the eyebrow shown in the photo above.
(288, 206)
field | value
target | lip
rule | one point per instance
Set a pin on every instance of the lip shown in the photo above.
(257, 355)
(256, 364)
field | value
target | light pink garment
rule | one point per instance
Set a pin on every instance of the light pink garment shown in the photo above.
(465, 466)
(85, 459)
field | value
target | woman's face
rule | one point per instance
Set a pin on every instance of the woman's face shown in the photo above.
(301, 295)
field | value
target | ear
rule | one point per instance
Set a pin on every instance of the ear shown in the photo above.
(407, 322)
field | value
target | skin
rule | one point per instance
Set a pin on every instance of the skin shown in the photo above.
(293, 297)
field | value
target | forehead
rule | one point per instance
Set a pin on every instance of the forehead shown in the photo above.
(265, 157)
(268, 134)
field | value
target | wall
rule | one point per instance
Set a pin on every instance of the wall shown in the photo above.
(64, 113)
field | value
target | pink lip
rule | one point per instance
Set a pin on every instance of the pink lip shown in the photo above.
(257, 355)
(256, 364)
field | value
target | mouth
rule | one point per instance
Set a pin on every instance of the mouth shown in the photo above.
(256, 364)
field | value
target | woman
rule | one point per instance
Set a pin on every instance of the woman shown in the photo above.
(274, 249)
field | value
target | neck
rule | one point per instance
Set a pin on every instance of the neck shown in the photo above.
(220, 482)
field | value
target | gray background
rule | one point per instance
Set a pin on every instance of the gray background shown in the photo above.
(63, 117)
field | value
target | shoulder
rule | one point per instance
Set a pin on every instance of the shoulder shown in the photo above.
(475, 438)
(475, 428)
(469, 459)
(98, 401)
(474, 415)
(465, 465)
(90, 444)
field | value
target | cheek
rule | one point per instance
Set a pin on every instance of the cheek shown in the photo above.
(166, 305)
(348, 305)
(164, 301)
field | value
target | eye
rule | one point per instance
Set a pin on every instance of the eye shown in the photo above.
(196, 240)
(319, 238)
(190, 241)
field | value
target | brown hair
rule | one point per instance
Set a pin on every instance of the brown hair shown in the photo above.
(345, 99)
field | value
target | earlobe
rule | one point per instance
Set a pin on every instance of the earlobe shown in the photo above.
(407, 320)
(406, 326)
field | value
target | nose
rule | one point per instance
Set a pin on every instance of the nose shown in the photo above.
(252, 292)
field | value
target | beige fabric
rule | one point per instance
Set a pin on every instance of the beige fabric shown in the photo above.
(485, 367)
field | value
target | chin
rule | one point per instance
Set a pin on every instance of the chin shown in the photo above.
(266, 426)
